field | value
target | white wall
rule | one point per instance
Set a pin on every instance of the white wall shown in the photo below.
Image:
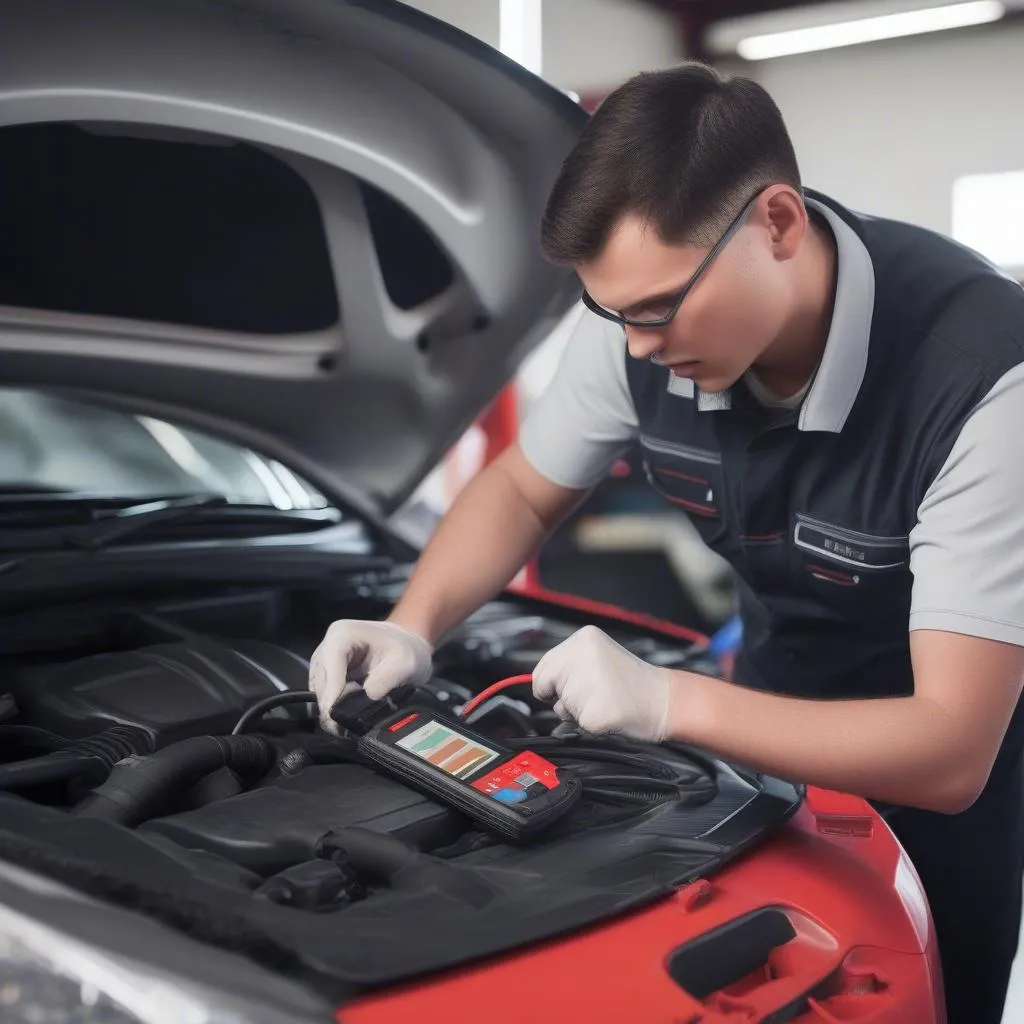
(589, 45)
(595, 45)
(887, 127)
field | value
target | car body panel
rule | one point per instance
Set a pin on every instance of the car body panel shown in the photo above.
(864, 948)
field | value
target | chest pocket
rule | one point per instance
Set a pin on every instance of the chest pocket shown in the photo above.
(864, 575)
(691, 479)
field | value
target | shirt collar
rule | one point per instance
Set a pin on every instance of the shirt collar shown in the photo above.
(844, 361)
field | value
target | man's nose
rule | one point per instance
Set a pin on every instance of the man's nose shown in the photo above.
(643, 344)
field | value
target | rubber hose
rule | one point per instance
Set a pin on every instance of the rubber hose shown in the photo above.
(43, 740)
(114, 744)
(371, 853)
(140, 788)
(90, 759)
(404, 867)
(38, 771)
(307, 750)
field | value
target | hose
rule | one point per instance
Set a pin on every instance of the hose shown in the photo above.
(42, 740)
(140, 788)
(403, 867)
(374, 853)
(91, 760)
(309, 750)
(39, 771)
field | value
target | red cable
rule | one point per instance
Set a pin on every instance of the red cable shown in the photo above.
(490, 691)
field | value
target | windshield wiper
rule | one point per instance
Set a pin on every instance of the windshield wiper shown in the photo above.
(122, 522)
(114, 525)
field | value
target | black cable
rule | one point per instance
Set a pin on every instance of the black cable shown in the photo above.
(624, 797)
(631, 782)
(275, 700)
(572, 750)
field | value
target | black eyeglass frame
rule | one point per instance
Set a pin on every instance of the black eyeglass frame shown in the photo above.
(716, 249)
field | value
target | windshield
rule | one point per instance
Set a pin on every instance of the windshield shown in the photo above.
(52, 443)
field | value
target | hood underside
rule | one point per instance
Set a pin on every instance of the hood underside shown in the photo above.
(307, 225)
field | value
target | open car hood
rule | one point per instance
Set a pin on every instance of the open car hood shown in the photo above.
(307, 225)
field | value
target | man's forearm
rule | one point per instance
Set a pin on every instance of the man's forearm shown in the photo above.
(484, 540)
(901, 750)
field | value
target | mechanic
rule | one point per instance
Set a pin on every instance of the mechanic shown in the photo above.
(834, 401)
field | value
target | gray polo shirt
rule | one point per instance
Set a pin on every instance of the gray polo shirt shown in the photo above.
(967, 547)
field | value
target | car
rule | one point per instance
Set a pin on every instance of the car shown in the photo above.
(262, 262)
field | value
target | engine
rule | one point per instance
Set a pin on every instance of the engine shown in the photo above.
(143, 737)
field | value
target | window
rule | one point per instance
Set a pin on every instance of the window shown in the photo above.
(50, 443)
(988, 216)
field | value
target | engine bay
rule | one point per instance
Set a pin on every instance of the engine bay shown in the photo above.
(138, 765)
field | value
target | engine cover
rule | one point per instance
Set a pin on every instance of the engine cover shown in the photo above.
(269, 829)
(172, 691)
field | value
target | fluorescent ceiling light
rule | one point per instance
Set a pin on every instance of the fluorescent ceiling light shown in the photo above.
(520, 32)
(869, 30)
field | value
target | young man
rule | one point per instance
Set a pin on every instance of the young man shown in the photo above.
(834, 400)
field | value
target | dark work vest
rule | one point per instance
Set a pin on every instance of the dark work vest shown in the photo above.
(816, 524)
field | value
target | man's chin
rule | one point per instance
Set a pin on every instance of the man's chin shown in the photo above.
(705, 378)
(712, 383)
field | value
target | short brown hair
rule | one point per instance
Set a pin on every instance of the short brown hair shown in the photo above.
(684, 148)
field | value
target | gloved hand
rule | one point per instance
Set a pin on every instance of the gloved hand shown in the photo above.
(605, 689)
(378, 655)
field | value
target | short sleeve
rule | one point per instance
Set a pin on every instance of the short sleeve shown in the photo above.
(585, 418)
(967, 549)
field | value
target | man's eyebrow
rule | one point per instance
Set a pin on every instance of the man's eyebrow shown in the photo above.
(651, 299)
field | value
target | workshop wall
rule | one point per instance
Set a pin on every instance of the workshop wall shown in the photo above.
(889, 127)
(595, 45)
(589, 45)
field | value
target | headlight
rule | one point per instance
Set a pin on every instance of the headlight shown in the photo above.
(47, 977)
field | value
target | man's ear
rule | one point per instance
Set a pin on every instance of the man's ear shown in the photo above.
(786, 218)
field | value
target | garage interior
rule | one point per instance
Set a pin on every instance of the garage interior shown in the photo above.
(333, 295)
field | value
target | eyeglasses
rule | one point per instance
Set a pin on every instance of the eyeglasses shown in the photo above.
(671, 303)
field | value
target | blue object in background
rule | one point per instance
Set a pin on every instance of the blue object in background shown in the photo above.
(727, 640)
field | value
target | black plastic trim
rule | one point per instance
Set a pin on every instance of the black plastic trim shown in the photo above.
(728, 954)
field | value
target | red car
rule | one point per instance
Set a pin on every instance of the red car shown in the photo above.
(262, 263)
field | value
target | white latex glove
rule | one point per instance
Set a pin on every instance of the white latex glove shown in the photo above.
(378, 655)
(604, 688)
